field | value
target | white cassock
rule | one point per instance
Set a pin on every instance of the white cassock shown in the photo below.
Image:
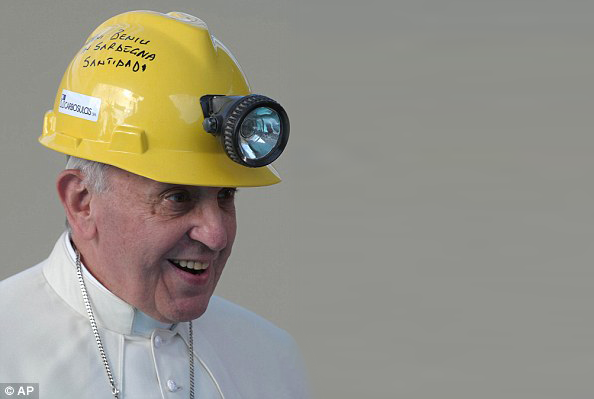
(45, 338)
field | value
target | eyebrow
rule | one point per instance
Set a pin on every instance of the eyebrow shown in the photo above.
(161, 187)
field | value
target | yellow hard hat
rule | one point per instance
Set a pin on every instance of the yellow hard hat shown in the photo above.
(136, 96)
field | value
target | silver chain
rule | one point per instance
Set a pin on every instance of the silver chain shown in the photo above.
(191, 354)
(85, 296)
(114, 390)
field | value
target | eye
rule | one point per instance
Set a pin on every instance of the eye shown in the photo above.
(178, 197)
(227, 193)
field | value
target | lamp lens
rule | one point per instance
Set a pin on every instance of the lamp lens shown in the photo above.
(259, 132)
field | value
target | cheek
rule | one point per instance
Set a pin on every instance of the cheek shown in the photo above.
(231, 230)
(116, 228)
(119, 234)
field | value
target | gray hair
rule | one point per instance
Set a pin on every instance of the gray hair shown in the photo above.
(95, 176)
(95, 173)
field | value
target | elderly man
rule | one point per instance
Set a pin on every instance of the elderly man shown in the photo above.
(160, 128)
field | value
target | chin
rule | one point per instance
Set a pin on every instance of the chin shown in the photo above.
(186, 313)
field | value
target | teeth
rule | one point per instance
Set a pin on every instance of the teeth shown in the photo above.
(190, 264)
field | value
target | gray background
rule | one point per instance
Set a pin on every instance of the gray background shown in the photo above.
(432, 236)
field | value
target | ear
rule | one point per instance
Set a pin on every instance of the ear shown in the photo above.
(76, 199)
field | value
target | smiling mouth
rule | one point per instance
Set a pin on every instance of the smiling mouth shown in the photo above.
(189, 266)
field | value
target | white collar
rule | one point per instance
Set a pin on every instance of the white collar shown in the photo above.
(110, 311)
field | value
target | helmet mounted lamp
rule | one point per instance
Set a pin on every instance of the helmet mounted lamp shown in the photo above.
(253, 129)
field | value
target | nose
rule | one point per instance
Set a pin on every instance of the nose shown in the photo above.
(209, 226)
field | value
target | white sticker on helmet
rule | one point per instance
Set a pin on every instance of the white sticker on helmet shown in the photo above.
(79, 105)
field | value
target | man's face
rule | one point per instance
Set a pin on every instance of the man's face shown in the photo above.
(147, 231)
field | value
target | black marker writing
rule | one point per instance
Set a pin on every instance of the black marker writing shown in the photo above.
(89, 62)
(126, 49)
(121, 35)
